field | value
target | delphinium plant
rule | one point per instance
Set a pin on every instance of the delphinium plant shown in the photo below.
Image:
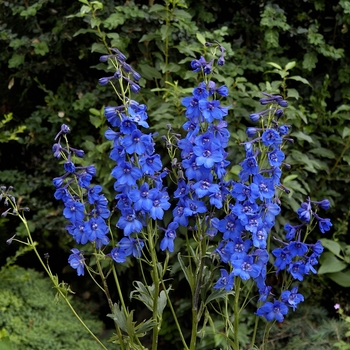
(225, 224)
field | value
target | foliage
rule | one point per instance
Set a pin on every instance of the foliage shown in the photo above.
(32, 319)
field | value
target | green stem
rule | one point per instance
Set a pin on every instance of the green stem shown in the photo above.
(155, 278)
(236, 310)
(110, 302)
(175, 317)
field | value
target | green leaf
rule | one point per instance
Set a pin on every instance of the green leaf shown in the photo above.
(16, 60)
(200, 38)
(41, 48)
(217, 294)
(298, 78)
(341, 109)
(95, 121)
(98, 47)
(293, 93)
(149, 72)
(323, 152)
(113, 21)
(273, 64)
(165, 31)
(189, 277)
(271, 37)
(290, 65)
(290, 178)
(310, 60)
(119, 317)
(330, 263)
(346, 132)
(157, 8)
(332, 246)
(341, 278)
(301, 136)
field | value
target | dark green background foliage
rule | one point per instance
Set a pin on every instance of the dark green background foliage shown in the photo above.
(34, 320)
(49, 69)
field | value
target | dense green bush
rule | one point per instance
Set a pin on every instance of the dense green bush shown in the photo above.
(31, 318)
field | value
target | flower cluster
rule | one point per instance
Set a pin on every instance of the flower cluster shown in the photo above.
(138, 169)
(84, 205)
(241, 213)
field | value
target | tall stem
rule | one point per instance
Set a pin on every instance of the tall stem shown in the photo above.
(236, 310)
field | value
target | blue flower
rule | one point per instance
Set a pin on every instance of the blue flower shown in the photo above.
(74, 211)
(273, 311)
(168, 240)
(76, 261)
(245, 268)
(131, 246)
(271, 137)
(129, 222)
(292, 298)
(118, 255)
(126, 174)
(225, 281)
(324, 224)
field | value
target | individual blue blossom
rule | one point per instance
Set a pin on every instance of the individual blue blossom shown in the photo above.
(225, 281)
(76, 261)
(324, 224)
(207, 155)
(197, 65)
(276, 157)
(129, 222)
(262, 187)
(141, 198)
(84, 179)
(118, 255)
(304, 212)
(79, 232)
(225, 250)
(283, 258)
(159, 204)
(201, 91)
(168, 240)
(297, 270)
(250, 166)
(96, 228)
(310, 262)
(64, 131)
(179, 213)
(230, 226)
(273, 311)
(113, 116)
(264, 292)
(245, 268)
(126, 174)
(271, 137)
(297, 248)
(260, 238)
(150, 164)
(292, 298)
(69, 167)
(192, 107)
(74, 211)
(62, 194)
(138, 114)
(324, 204)
(212, 110)
(131, 246)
